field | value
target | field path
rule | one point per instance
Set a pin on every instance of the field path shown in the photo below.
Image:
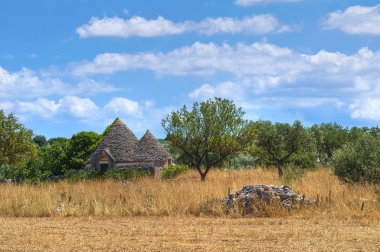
(188, 233)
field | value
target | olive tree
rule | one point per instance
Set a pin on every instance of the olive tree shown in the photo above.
(209, 133)
(276, 143)
(15, 141)
(328, 137)
(359, 160)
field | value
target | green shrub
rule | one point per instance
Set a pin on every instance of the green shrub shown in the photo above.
(10, 172)
(84, 174)
(239, 161)
(122, 174)
(24, 173)
(359, 160)
(173, 170)
(302, 160)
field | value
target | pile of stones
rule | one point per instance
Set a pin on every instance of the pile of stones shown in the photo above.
(253, 195)
(11, 181)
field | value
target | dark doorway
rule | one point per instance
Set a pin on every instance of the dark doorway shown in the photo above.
(103, 168)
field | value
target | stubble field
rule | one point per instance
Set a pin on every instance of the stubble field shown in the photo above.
(188, 233)
(153, 215)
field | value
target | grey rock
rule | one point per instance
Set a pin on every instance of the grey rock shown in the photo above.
(249, 195)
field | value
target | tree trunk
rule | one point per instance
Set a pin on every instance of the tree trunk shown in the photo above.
(203, 177)
(203, 174)
(279, 168)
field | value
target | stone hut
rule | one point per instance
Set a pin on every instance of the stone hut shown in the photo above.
(150, 152)
(120, 148)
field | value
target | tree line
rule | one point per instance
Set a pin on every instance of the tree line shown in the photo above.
(33, 157)
(215, 130)
(210, 134)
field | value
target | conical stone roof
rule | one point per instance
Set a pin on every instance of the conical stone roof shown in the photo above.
(150, 149)
(120, 141)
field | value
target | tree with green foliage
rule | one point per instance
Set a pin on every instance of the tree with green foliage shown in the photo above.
(208, 134)
(276, 143)
(359, 160)
(56, 139)
(55, 156)
(40, 140)
(328, 137)
(174, 152)
(15, 141)
(80, 148)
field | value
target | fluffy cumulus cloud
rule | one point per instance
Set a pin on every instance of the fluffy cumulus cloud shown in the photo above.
(259, 24)
(25, 79)
(136, 26)
(45, 95)
(259, 59)
(120, 105)
(366, 108)
(141, 27)
(259, 69)
(29, 84)
(42, 107)
(246, 3)
(230, 90)
(360, 20)
(260, 64)
(140, 115)
(77, 107)
(253, 75)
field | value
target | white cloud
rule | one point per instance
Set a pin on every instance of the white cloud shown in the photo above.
(259, 24)
(360, 20)
(42, 107)
(82, 108)
(136, 26)
(78, 107)
(89, 86)
(276, 76)
(139, 115)
(260, 65)
(259, 69)
(141, 27)
(204, 92)
(246, 3)
(230, 90)
(367, 108)
(202, 59)
(7, 106)
(121, 105)
(12, 83)
(29, 84)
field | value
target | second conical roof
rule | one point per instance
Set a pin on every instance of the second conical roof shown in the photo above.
(150, 149)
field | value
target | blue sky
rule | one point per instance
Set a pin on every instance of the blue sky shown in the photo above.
(68, 66)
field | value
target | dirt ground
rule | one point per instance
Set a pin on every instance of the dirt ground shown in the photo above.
(188, 234)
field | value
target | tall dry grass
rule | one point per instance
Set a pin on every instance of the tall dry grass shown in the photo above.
(181, 196)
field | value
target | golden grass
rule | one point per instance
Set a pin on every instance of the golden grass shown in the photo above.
(151, 214)
(183, 196)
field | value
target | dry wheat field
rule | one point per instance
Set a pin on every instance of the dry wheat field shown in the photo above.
(183, 214)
